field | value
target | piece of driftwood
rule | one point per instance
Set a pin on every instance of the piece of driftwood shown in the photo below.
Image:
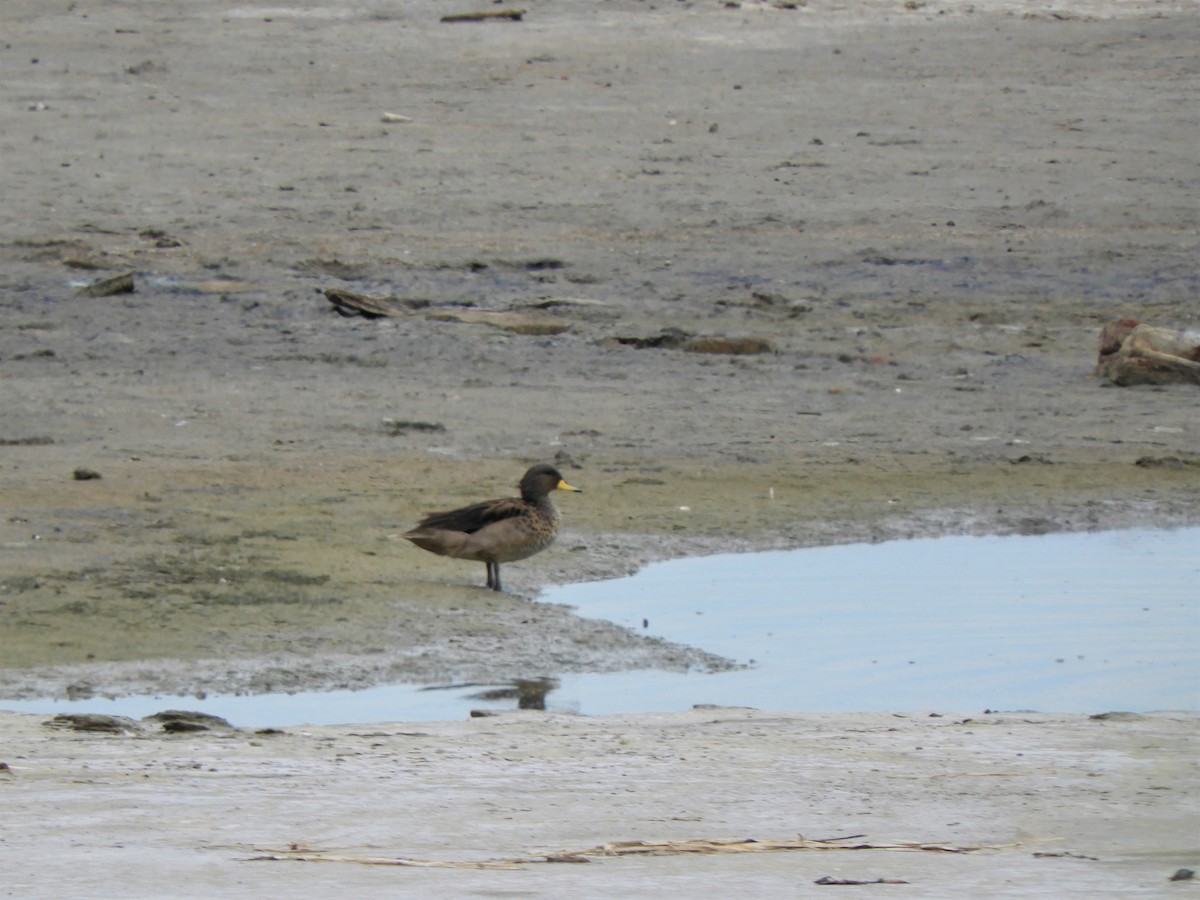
(729, 345)
(704, 845)
(1132, 352)
(348, 303)
(613, 848)
(514, 15)
(532, 322)
(182, 721)
(98, 722)
(676, 338)
(108, 287)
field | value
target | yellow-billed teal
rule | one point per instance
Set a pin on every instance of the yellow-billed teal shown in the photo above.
(497, 531)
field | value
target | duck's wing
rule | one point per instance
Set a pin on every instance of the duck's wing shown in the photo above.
(476, 516)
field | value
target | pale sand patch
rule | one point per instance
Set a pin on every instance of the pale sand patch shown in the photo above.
(1058, 806)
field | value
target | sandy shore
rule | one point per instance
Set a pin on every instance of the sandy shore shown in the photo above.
(1046, 806)
(923, 212)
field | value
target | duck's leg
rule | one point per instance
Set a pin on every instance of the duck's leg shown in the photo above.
(493, 575)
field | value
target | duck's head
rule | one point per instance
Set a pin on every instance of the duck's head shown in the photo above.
(540, 480)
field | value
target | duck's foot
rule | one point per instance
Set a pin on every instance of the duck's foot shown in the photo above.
(493, 575)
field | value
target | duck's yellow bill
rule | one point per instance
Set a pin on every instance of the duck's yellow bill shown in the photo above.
(563, 486)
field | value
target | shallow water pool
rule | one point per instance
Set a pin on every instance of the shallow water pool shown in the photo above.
(1086, 622)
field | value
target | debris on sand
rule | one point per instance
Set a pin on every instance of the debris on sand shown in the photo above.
(37, 440)
(351, 303)
(1170, 463)
(108, 287)
(519, 321)
(514, 15)
(1132, 352)
(701, 846)
(516, 321)
(181, 721)
(95, 722)
(396, 427)
(732, 346)
(678, 339)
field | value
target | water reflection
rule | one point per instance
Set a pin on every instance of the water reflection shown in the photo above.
(1069, 623)
(530, 693)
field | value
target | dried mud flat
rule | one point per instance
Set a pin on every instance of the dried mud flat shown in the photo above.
(922, 212)
(999, 805)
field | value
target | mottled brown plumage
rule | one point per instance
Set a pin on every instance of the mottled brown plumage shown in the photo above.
(497, 531)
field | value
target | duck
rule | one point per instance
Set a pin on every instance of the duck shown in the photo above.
(497, 531)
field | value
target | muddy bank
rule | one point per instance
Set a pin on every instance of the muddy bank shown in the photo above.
(268, 588)
(922, 219)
